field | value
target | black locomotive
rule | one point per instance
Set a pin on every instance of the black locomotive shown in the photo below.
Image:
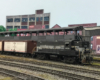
(72, 50)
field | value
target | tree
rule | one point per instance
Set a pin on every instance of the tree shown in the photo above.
(15, 29)
(2, 28)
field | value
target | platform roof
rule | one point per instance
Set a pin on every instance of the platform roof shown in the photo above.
(91, 31)
(47, 30)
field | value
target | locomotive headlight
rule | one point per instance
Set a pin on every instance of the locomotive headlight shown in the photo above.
(76, 48)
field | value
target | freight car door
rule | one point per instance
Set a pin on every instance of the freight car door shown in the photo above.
(8, 46)
(21, 47)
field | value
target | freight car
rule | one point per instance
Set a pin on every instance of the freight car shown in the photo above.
(25, 48)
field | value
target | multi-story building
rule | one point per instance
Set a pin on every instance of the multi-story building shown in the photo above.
(38, 20)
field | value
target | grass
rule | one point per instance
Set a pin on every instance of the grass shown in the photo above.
(95, 58)
(96, 63)
(7, 78)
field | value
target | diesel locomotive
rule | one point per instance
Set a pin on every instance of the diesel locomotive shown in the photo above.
(71, 51)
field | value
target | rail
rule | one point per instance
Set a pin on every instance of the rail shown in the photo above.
(18, 75)
(55, 72)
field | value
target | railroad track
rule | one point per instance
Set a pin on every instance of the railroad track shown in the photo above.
(58, 72)
(18, 75)
(69, 67)
(96, 55)
(96, 59)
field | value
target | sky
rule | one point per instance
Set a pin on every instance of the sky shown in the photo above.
(63, 12)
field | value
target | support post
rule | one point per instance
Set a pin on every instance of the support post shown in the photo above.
(75, 32)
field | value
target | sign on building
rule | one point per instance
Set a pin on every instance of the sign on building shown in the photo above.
(98, 49)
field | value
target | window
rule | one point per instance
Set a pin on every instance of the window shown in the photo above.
(41, 18)
(24, 19)
(91, 46)
(46, 18)
(9, 27)
(18, 27)
(23, 27)
(47, 26)
(91, 38)
(17, 20)
(71, 31)
(37, 19)
(10, 20)
(32, 19)
(77, 31)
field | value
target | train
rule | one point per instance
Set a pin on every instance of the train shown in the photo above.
(67, 48)
(69, 51)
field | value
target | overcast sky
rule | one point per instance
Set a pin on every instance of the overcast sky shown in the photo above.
(63, 12)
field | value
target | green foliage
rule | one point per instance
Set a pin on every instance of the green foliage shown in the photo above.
(2, 28)
(13, 35)
(15, 29)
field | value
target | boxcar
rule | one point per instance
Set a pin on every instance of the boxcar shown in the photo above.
(20, 46)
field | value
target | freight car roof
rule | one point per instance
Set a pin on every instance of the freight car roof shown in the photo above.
(47, 30)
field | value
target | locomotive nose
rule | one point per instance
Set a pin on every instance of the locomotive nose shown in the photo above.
(89, 59)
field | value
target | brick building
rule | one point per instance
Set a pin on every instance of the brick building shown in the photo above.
(38, 20)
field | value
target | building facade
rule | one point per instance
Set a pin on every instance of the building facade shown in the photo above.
(38, 20)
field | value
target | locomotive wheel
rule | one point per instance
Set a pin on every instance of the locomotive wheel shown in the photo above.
(33, 55)
(41, 56)
(65, 59)
(72, 60)
(47, 57)
(69, 59)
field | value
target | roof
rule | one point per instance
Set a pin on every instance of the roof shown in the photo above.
(86, 24)
(48, 30)
(92, 28)
(56, 26)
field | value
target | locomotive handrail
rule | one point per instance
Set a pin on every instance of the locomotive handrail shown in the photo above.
(78, 51)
